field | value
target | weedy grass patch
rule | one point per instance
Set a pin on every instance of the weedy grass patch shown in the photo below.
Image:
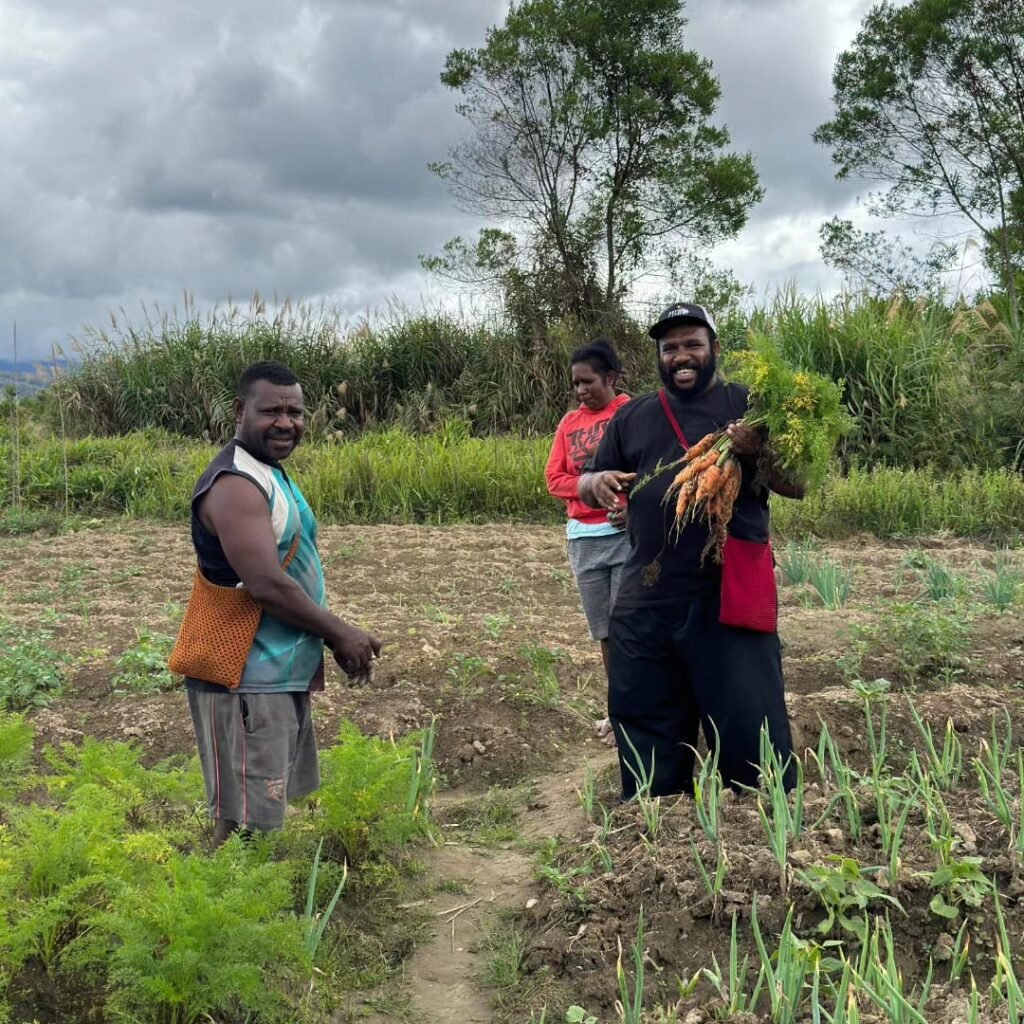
(450, 477)
(926, 641)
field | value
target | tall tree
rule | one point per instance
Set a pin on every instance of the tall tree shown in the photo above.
(930, 103)
(875, 263)
(592, 145)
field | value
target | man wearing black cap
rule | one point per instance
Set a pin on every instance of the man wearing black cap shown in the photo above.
(674, 666)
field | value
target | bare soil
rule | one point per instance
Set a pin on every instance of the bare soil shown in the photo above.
(464, 612)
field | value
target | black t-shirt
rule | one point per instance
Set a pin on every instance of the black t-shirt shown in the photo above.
(638, 439)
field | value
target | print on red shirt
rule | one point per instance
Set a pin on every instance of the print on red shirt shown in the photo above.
(582, 443)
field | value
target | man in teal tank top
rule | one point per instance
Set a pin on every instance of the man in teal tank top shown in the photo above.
(256, 742)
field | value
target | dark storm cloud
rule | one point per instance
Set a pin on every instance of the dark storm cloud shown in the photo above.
(221, 148)
(774, 62)
(230, 146)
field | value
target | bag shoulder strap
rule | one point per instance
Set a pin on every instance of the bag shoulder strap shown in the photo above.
(291, 551)
(671, 416)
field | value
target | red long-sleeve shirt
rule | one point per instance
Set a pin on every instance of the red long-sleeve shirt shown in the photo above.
(576, 438)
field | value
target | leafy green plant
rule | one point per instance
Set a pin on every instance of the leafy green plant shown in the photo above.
(1006, 987)
(946, 765)
(1000, 800)
(882, 979)
(845, 892)
(785, 973)
(143, 668)
(58, 864)
(959, 882)
(732, 987)
(366, 798)
(630, 1004)
(31, 673)
(924, 641)
(439, 615)
(16, 737)
(562, 876)
(872, 693)
(588, 793)
(577, 1015)
(832, 767)
(600, 841)
(893, 807)
(650, 806)
(495, 625)
(785, 820)
(163, 793)
(201, 936)
(465, 670)
(108, 822)
(708, 787)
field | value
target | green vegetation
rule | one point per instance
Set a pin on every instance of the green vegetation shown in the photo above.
(928, 641)
(492, 817)
(107, 881)
(1004, 586)
(396, 477)
(889, 502)
(928, 384)
(831, 582)
(374, 793)
(829, 952)
(610, 161)
(15, 751)
(414, 372)
(143, 668)
(927, 104)
(30, 668)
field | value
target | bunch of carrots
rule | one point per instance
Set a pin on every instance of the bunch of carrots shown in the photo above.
(707, 487)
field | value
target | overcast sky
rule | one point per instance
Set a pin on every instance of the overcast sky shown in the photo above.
(222, 147)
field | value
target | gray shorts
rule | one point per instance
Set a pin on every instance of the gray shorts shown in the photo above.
(597, 565)
(258, 751)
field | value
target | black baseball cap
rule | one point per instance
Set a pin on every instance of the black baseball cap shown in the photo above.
(682, 313)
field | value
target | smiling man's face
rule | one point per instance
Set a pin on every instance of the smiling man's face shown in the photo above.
(687, 359)
(271, 419)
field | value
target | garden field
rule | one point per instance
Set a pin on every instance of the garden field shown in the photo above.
(885, 889)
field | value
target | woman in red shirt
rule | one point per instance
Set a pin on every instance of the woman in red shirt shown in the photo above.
(596, 539)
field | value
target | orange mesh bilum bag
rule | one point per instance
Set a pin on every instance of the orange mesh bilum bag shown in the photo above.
(217, 631)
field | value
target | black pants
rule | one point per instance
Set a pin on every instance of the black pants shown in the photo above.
(674, 669)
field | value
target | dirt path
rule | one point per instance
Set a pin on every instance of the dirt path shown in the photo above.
(444, 977)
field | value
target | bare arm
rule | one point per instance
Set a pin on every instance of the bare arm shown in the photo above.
(778, 482)
(747, 442)
(236, 511)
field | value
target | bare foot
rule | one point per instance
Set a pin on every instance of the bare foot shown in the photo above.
(604, 732)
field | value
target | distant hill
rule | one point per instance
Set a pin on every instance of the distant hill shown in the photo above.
(27, 375)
